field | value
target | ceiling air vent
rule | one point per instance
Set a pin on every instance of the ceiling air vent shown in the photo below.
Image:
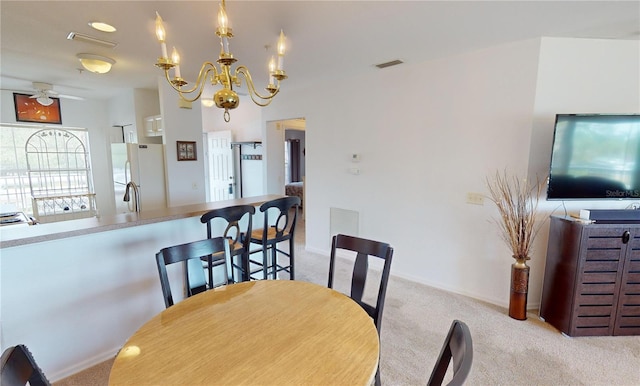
(389, 64)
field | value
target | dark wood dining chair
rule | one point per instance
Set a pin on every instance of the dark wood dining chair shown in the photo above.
(19, 367)
(285, 212)
(457, 349)
(231, 217)
(191, 254)
(364, 248)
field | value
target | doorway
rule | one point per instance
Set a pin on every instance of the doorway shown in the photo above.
(291, 165)
(220, 168)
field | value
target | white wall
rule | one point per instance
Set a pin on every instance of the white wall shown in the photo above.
(429, 133)
(147, 103)
(122, 112)
(273, 157)
(185, 179)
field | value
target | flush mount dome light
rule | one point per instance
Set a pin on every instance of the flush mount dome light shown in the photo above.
(96, 63)
(100, 26)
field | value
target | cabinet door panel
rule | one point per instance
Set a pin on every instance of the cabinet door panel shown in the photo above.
(632, 278)
(593, 321)
(597, 311)
(628, 310)
(597, 288)
(592, 331)
(594, 300)
(628, 325)
(600, 266)
(599, 278)
(596, 231)
(632, 310)
(634, 264)
(609, 254)
(592, 326)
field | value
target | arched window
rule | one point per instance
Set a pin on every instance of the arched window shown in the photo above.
(59, 171)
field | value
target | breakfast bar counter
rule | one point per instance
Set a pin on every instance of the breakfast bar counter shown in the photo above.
(14, 236)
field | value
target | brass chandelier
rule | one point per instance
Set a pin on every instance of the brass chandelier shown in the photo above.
(225, 97)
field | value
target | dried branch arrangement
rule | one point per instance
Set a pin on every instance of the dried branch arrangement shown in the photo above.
(517, 202)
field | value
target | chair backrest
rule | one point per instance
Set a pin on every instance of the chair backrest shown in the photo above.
(19, 367)
(457, 348)
(191, 254)
(284, 226)
(364, 248)
(232, 215)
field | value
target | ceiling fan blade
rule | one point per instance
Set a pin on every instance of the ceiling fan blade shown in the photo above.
(72, 97)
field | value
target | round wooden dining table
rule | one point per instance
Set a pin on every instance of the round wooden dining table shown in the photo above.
(267, 332)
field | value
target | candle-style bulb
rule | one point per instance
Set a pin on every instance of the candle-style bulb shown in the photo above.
(223, 20)
(272, 64)
(160, 32)
(175, 57)
(161, 35)
(272, 69)
(281, 44)
(281, 49)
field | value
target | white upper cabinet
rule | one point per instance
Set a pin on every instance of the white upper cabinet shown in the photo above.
(153, 126)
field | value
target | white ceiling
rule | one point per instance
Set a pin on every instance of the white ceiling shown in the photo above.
(327, 40)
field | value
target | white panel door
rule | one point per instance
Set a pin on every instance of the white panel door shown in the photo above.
(222, 183)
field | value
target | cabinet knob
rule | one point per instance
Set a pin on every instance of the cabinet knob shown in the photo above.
(625, 237)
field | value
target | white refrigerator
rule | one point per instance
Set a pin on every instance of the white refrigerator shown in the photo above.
(143, 164)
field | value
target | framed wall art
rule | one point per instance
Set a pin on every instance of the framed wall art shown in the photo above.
(30, 110)
(187, 151)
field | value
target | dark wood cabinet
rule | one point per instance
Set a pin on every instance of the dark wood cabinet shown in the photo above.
(592, 278)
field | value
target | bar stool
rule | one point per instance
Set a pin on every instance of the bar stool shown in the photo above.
(238, 243)
(285, 212)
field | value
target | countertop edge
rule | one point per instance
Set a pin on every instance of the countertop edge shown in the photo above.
(13, 237)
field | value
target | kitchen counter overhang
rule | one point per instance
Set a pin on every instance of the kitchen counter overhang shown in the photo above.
(11, 237)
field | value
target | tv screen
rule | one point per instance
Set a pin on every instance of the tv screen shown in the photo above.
(595, 156)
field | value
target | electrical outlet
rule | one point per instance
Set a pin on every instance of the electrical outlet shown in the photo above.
(475, 198)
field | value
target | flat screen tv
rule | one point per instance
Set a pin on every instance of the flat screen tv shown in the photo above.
(595, 156)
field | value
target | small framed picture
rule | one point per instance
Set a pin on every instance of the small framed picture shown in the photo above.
(187, 151)
(30, 110)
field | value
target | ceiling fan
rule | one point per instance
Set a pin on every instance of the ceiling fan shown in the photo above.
(44, 92)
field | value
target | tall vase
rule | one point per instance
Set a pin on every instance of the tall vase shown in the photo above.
(519, 289)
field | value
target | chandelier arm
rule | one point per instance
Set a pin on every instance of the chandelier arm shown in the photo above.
(266, 100)
(206, 68)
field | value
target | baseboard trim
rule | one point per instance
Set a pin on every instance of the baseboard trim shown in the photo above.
(81, 366)
(416, 279)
